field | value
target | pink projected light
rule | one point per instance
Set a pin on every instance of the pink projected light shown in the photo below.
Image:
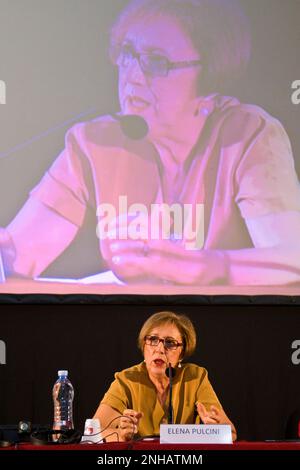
(209, 197)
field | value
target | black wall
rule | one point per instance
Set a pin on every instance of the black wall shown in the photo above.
(246, 349)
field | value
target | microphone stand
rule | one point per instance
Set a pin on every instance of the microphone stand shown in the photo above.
(170, 411)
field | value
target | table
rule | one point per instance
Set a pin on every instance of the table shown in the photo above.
(154, 445)
(27, 286)
(133, 453)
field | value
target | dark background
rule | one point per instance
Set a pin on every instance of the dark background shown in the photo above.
(246, 349)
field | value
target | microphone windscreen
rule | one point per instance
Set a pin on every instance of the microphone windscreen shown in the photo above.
(172, 371)
(133, 126)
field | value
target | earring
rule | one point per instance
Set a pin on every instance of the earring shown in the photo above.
(203, 111)
(179, 365)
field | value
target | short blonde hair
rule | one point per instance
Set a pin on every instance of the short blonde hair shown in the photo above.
(182, 322)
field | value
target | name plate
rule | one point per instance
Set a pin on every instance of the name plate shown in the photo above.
(195, 434)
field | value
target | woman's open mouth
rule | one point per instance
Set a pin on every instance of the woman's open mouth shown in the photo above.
(136, 103)
(159, 362)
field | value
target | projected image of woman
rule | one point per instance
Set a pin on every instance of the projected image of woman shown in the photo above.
(227, 166)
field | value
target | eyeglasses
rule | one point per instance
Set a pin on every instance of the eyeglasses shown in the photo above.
(153, 65)
(169, 343)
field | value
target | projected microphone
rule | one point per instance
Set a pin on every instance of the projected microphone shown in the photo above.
(170, 372)
(133, 126)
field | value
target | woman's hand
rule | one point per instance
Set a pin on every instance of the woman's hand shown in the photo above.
(159, 260)
(128, 425)
(166, 261)
(215, 416)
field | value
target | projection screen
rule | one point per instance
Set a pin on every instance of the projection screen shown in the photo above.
(150, 146)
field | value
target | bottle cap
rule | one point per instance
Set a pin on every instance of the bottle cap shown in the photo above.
(63, 373)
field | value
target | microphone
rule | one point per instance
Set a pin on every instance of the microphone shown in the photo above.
(170, 372)
(133, 126)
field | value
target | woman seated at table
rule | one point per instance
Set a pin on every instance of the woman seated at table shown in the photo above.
(137, 401)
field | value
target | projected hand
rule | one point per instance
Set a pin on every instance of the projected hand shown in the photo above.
(124, 246)
(158, 260)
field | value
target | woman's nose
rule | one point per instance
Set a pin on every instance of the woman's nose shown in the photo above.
(135, 73)
(160, 347)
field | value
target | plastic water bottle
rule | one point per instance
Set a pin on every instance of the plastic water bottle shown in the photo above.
(63, 394)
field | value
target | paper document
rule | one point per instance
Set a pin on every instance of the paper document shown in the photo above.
(107, 277)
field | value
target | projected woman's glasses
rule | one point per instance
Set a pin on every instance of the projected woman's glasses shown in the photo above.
(153, 65)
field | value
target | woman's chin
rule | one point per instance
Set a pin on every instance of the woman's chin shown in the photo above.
(158, 371)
